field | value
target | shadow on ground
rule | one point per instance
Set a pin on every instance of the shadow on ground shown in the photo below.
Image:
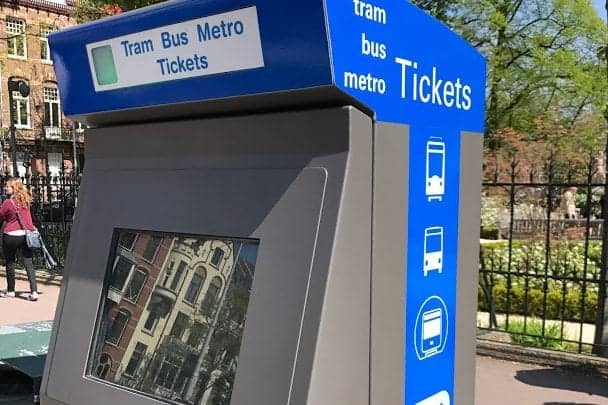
(569, 403)
(586, 380)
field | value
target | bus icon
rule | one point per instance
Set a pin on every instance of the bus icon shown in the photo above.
(435, 169)
(433, 249)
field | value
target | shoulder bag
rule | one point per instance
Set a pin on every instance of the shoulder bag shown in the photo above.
(32, 238)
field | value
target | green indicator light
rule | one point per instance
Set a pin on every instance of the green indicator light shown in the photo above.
(103, 62)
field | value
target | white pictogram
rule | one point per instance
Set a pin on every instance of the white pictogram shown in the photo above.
(440, 398)
(433, 249)
(435, 169)
(431, 330)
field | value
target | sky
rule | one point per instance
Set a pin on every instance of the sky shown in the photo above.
(599, 6)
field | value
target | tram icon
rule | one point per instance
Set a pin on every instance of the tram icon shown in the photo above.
(435, 169)
(433, 249)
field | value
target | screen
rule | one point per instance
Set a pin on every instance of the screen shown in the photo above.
(103, 61)
(172, 315)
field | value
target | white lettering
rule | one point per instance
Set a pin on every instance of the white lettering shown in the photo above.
(364, 82)
(433, 88)
(369, 11)
(372, 48)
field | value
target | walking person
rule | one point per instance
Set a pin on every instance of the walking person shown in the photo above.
(15, 213)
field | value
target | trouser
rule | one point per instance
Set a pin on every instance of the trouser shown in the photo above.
(10, 245)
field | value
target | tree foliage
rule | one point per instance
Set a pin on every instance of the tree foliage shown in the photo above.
(545, 62)
(87, 10)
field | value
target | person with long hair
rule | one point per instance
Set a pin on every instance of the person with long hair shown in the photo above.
(15, 213)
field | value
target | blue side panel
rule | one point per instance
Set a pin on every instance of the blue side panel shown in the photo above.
(408, 68)
(371, 48)
(432, 247)
(294, 46)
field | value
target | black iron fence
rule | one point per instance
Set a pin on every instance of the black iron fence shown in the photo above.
(54, 200)
(542, 257)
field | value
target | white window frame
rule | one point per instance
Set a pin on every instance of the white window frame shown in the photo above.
(21, 170)
(80, 127)
(57, 171)
(45, 31)
(135, 298)
(51, 99)
(15, 28)
(18, 99)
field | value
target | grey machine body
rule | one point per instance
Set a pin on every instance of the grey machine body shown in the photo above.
(325, 192)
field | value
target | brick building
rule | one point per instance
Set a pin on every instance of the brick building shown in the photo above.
(46, 141)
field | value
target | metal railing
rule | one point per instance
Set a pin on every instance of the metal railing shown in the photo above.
(540, 280)
(54, 200)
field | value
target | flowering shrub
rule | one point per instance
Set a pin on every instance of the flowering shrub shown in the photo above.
(565, 288)
(112, 9)
(490, 207)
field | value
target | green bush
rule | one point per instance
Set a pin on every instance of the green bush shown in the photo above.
(532, 305)
(528, 293)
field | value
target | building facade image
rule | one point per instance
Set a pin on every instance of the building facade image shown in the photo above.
(174, 325)
(135, 268)
(46, 141)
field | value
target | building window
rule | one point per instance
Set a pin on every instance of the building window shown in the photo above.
(127, 240)
(218, 254)
(168, 371)
(194, 288)
(168, 273)
(152, 248)
(198, 331)
(138, 354)
(22, 110)
(55, 164)
(17, 44)
(136, 285)
(21, 170)
(178, 275)
(118, 327)
(52, 112)
(79, 126)
(103, 366)
(179, 325)
(211, 296)
(45, 51)
(122, 268)
(151, 321)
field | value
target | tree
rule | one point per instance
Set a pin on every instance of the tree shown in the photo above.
(543, 58)
(87, 10)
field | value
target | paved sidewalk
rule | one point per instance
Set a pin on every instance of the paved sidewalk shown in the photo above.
(498, 382)
(501, 382)
(20, 310)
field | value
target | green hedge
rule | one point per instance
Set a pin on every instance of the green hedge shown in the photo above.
(564, 299)
(568, 307)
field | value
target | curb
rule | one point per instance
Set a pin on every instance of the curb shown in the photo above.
(542, 357)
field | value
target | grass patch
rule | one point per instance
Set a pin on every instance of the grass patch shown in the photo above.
(531, 334)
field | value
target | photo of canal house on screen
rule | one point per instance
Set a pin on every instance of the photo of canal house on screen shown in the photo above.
(173, 314)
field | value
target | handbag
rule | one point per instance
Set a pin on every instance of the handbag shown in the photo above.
(33, 240)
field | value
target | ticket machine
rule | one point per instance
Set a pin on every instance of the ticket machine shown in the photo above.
(260, 221)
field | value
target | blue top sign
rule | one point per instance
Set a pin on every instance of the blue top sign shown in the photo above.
(389, 55)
